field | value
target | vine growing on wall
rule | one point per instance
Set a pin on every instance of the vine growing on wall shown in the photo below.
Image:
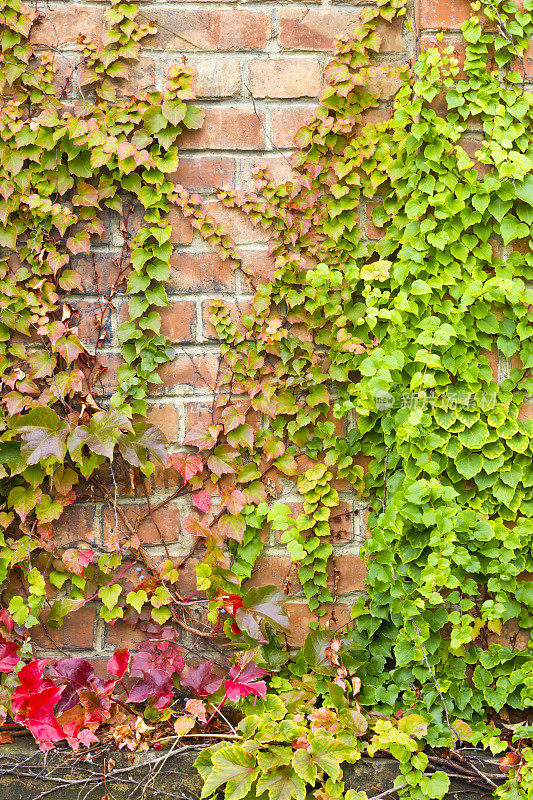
(399, 337)
(396, 338)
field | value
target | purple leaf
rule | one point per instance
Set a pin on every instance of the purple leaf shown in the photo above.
(201, 679)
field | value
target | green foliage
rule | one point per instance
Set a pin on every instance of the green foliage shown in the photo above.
(398, 337)
(61, 166)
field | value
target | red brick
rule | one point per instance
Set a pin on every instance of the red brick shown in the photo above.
(99, 271)
(493, 361)
(182, 231)
(300, 619)
(76, 633)
(200, 272)
(107, 381)
(352, 571)
(227, 129)
(165, 416)
(141, 77)
(526, 411)
(512, 635)
(285, 77)
(272, 570)
(166, 518)
(447, 15)
(341, 522)
(287, 121)
(259, 266)
(120, 634)
(105, 217)
(471, 147)
(373, 116)
(205, 173)
(216, 29)
(237, 224)
(77, 522)
(178, 321)
(189, 371)
(216, 77)
(64, 24)
(371, 230)
(384, 86)
(317, 29)
(197, 412)
(88, 320)
(528, 61)
(278, 166)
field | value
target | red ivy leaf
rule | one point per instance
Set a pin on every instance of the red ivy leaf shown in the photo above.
(201, 679)
(234, 500)
(118, 663)
(33, 702)
(187, 465)
(203, 436)
(9, 657)
(77, 560)
(156, 684)
(242, 683)
(202, 501)
(195, 527)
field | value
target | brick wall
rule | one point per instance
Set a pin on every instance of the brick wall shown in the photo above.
(259, 72)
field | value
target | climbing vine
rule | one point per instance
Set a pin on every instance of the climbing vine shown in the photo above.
(419, 342)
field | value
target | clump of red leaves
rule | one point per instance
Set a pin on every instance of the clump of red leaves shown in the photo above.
(64, 700)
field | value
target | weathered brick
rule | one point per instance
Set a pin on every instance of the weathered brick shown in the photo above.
(341, 522)
(471, 147)
(287, 121)
(214, 29)
(237, 223)
(141, 77)
(104, 215)
(278, 165)
(178, 321)
(285, 77)
(162, 526)
(77, 522)
(205, 173)
(189, 371)
(317, 29)
(352, 573)
(216, 77)
(197, 412)
(98, 271)
(526, 411)
(107, 380)
(76, 633)
(428, 42)
(120, 634)
(493, 361)
(511, 635)
(300, 619)
(275, 570)
(371, 230)
(92, 320)
(200, 272)
(384, 86)
(182, 230)
(63, 24)
(259, 267)
(227, 129)
(447, 15)
(166, 417)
